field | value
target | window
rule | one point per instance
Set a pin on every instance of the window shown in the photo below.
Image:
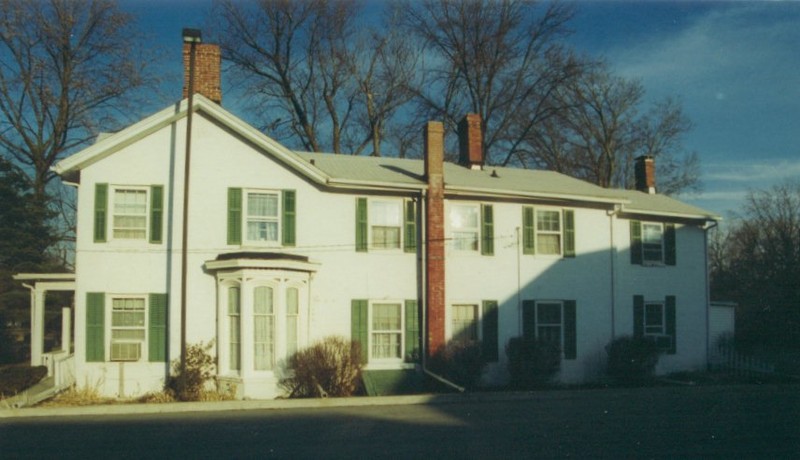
(548, 232)
(553, 321)
(129, 220)
(234, 328)
(465, 226)
(292, 320)
(653, 243)
(464, 321)
(386, 221)
(261, 218)
(127, 328)
(387, 331)
(264, 324)
(656, 320)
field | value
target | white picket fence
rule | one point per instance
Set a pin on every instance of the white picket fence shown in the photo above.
(724, 357)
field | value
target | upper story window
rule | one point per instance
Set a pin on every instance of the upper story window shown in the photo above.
(653, 243)
(129, 220)
(134, 213)
(464, 226)
(548, 231)
(262, 217)
(386, 224)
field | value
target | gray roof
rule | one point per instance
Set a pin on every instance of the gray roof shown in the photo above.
(495, 181)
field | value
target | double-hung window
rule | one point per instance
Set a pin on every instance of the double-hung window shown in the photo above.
(656, 320)
(465, 226)
(386, 331)
(127, 328)
(386, 222)
(548, 231)
(292, 320)
(464, 323)
(264, 328)
(552, 321)
(653, 243)
(234, 328)
(262, 217)
(129, 220)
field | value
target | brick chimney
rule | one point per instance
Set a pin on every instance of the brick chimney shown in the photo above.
(645, 174)
(470, 141)
(434, 236)
(206, 71)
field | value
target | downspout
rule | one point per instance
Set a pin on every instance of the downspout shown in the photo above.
(612, 269)
(423, 295)
(519, 285)
(708, 289)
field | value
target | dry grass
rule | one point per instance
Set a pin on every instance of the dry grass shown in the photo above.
(78, 396)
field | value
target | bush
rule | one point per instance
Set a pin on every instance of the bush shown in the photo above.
(14, 379)
(632, 359)
(190, 384)
(460, 362)
(330, 367)
(532, 362)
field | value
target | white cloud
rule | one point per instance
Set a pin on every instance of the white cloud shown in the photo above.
(756, 173)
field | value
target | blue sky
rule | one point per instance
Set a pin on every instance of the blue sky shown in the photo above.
(735, 66)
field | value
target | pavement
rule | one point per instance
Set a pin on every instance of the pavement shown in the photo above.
(273, 404)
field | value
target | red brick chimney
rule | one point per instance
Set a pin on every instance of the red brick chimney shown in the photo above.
(645, 174)
(206, 71)
(434, 236)
(470, 141)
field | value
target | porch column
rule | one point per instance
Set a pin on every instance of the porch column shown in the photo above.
(66, 328)
(37, 326)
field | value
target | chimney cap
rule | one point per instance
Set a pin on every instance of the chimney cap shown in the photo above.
(192, 36)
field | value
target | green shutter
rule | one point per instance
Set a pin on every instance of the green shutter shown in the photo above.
(487, 230)
(100, 206)
(638, 316)
(529, 319)
(528, 231)
(156, 214)
(412, 332)
(669, 245)
(569, 233)
(234, 216)
(670, 320)
(157, 333)
(490, 326)
(359, 328)
(636, 242)
(361, 225)
(410, 227)
(95, 327)
(570, 330)
(289, 223)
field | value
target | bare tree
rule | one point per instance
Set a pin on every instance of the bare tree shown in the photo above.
(598, 129)
(500, 59)
(65, 69)
(318, 79)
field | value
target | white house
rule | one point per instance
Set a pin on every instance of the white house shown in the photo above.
(285, 248)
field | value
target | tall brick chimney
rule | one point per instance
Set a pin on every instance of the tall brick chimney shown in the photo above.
(645, 174)
(470, 141)
(434, 236)
(206, 71)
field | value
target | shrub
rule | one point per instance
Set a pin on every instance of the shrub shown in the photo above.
(532, 362)
(14, 379)
(189, 384)
(460, 362)
(632, 359)
(330, 367)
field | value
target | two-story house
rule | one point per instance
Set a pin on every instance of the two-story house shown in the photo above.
(285, 248)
